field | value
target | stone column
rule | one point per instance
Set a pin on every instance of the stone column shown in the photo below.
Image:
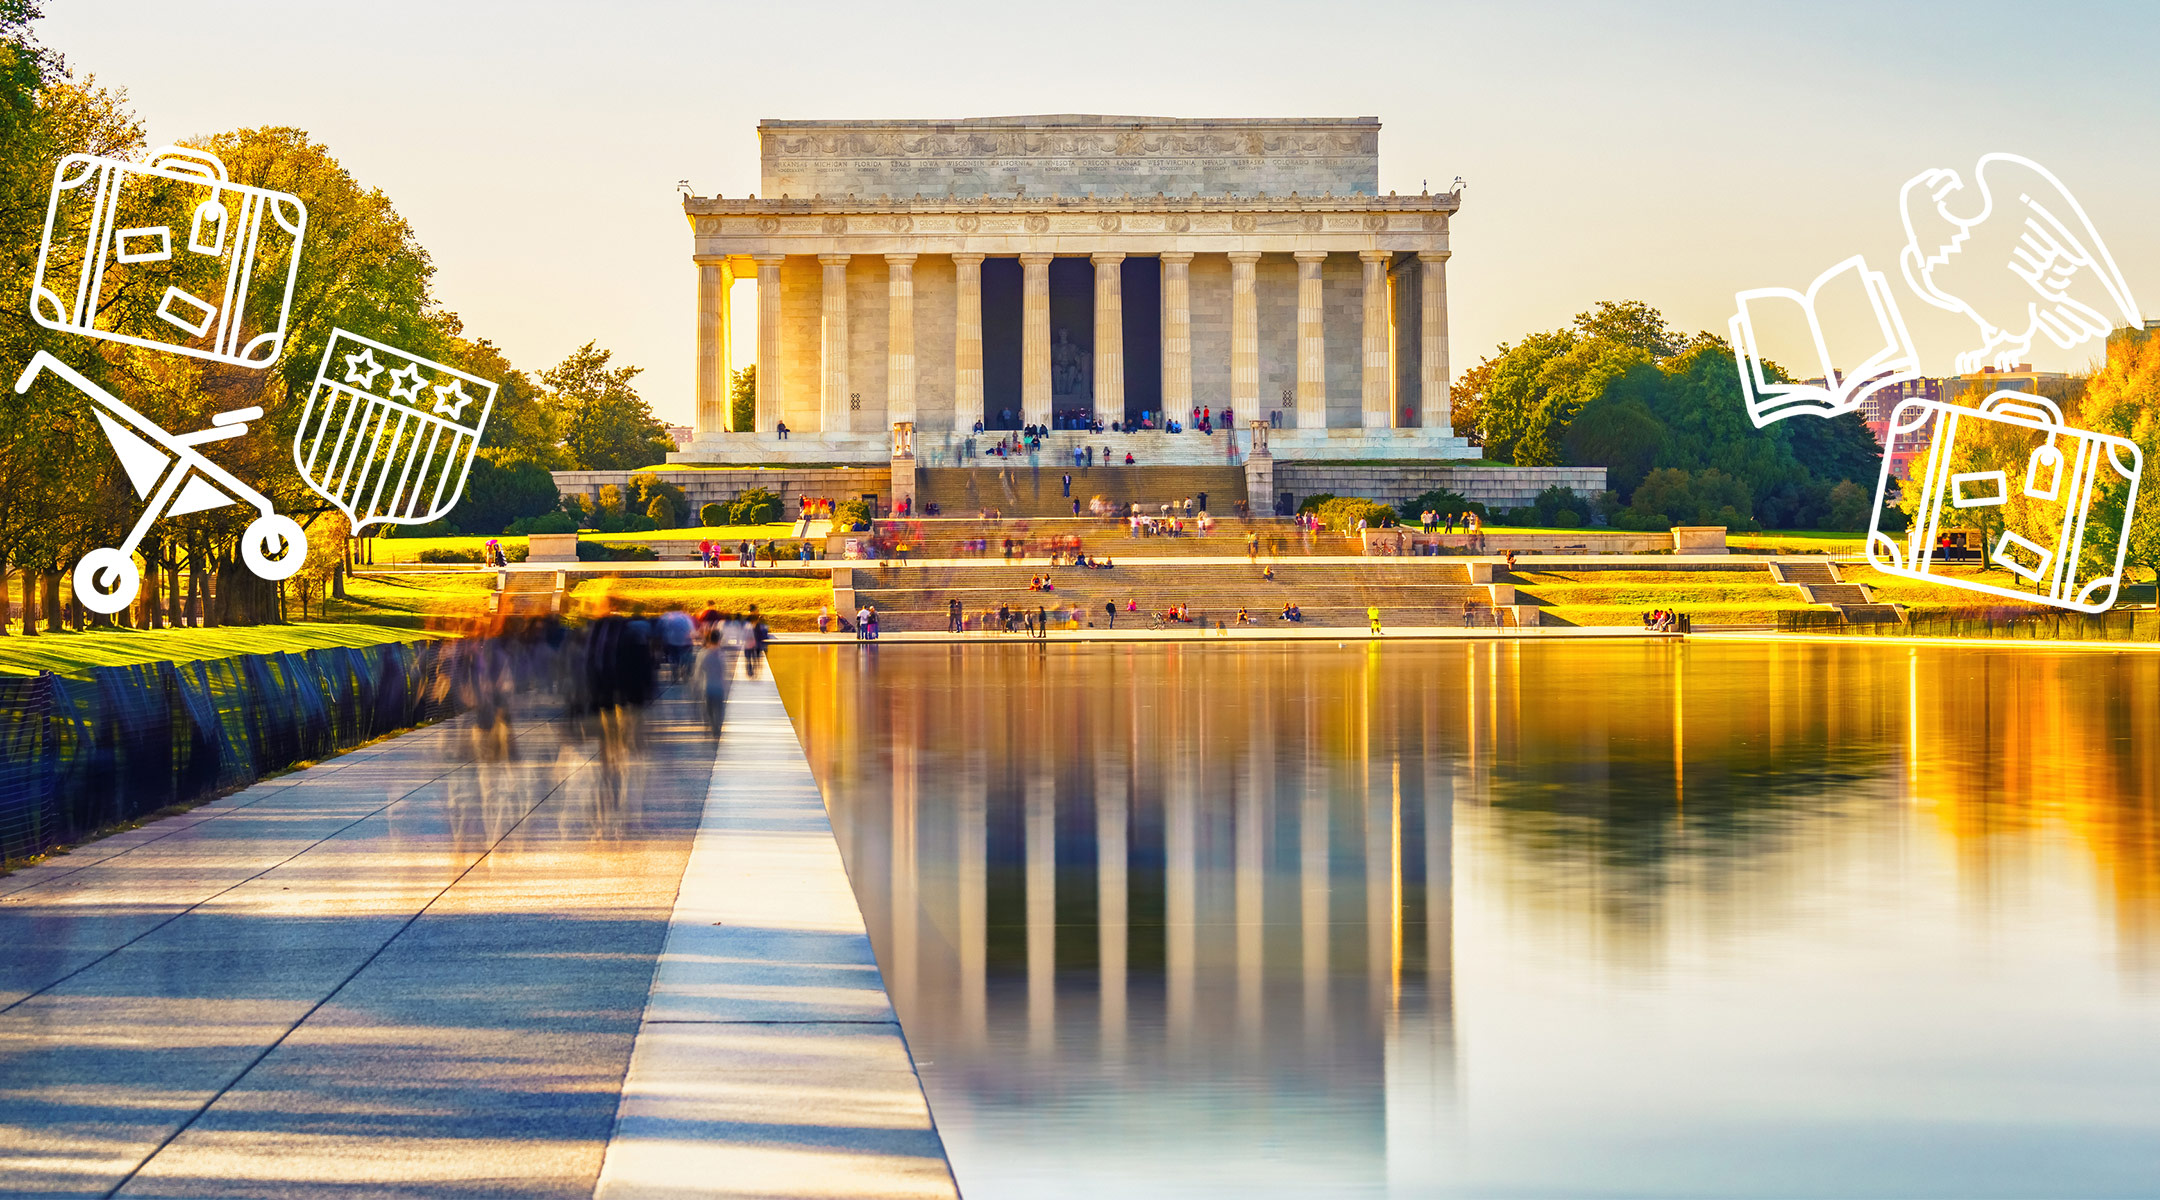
(833, 413)
(712, 347)
(1311, 341)
(1433, 402)
(769, 369)
(1035, 340)
(1177, 331)
(967, 342)
(900, 338)
(1244, 333)
(1109, 337)
(1376, 388)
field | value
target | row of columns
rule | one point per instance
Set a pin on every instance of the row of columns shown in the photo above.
(836, 403)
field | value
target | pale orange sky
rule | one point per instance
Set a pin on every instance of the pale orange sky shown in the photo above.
(1673, 153)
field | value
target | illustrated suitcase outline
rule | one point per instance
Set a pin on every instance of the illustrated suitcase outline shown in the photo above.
(1942, 489)
(350, 465)
(213, 228)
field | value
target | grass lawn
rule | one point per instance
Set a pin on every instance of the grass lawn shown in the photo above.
(411, 601)
(1746, 597)
(74, 653)
(1799, 541)
(790, 604)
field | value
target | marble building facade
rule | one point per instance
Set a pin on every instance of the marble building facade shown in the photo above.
(1037, 270)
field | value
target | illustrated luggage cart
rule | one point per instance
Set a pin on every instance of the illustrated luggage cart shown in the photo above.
(174, 477)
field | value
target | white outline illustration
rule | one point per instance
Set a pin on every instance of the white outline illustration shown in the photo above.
(2073, 472)
(247, 231)
(2043, 238)
(176, 479)
(1894, 361)
(382, 459)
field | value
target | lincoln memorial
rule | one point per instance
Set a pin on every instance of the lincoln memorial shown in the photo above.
(918, 279)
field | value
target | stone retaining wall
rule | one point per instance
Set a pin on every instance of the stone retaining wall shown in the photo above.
(1494, 486)
(720, 487)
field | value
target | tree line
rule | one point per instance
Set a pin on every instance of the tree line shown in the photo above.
(62, 490)
(1621, 388)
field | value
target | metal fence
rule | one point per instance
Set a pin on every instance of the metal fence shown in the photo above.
(2003, 622)
(78, 755)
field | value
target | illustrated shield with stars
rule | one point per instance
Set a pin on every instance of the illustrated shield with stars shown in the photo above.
(388, 436)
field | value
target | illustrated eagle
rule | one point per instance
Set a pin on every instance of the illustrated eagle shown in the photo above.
(1959, 243)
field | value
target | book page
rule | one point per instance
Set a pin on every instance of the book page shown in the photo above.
(1857, 332)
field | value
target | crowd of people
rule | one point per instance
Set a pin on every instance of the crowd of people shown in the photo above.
(606, 672)
(1666, 620)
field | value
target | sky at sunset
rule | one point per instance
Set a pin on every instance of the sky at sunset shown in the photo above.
(1673, 153)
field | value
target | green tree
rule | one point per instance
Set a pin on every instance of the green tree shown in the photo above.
(2123, 398)
(1631, 323)
(742, 400)
(605, 425)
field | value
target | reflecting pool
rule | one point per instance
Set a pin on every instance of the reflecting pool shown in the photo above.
(1500, 919)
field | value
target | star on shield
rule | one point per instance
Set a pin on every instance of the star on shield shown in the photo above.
(410, 389)
(362, 368)
(451, 401)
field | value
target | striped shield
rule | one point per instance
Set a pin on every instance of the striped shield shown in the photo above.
(388, 436)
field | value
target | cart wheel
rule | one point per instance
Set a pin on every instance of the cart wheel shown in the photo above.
(106, 580)
(274, 547)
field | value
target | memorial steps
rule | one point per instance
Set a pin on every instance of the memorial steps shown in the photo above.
(1018, 489)
(941, 537)
(1332, 595)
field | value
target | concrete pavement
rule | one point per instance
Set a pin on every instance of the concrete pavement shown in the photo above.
(418, 969)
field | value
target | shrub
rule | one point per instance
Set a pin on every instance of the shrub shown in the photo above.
(497, 493)
(1558, 507)
(661, 513)
(1443, 502)
(1344, 512)
(553, 522)
(851, 515)
(755, 507)
(1313, 502)
(449, 556)
(712, 514)
(603, 552)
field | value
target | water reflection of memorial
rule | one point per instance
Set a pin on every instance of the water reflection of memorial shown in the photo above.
(1203, 905)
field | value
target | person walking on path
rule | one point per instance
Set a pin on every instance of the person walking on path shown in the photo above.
(952, 619)
(1042, 622)
(1068, 483)
(1372, 613)
(1110, 613)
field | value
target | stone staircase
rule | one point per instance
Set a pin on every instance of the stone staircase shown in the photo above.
(1017, 489)
(527, 593)
(1332, 595)
(941, 537)
(1820, 583)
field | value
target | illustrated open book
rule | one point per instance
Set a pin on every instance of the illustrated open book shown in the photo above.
(1847, 314)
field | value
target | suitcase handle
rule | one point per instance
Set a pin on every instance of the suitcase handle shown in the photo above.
(2037, 407)
(189, 161)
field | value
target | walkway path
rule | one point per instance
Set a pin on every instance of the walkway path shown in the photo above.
(415, 970)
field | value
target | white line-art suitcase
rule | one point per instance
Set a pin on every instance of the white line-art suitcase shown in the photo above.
(2055, 501)
(388, 436)
(219, 257)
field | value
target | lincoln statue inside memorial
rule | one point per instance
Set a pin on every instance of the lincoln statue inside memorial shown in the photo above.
(1077, 274)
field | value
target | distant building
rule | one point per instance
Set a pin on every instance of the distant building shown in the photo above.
(1978, 385)
(681, 435)
(1876, 409)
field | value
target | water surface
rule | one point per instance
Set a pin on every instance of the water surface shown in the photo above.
(1499, 919)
